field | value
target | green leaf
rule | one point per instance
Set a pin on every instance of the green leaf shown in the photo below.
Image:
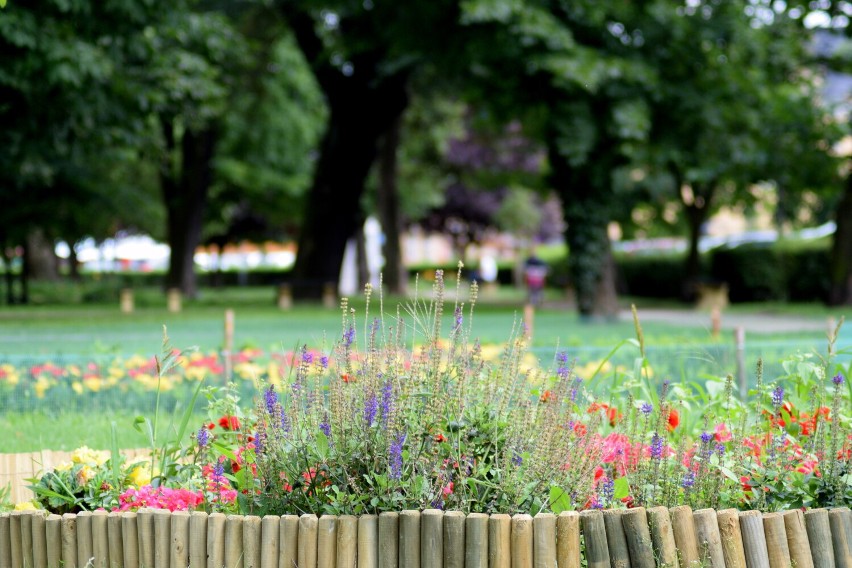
(559, 500)
(622, 488)
(729, 474)
(2, 3)
(322, 445)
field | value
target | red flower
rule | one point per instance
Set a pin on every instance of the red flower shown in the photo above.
(440, 438)
(229, 422)
(744, 481)
(673, 420)
(235, 467)
(210, 425)
(545, 396)
(580, 429)
(612, 413)
(448, 489)
(347, 378)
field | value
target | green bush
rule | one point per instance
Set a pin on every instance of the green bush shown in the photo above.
(754, 273)
(650, 276)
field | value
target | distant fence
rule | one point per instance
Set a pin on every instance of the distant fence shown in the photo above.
(15, 469)
(633, 538)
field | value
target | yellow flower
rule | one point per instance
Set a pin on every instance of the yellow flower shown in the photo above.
(86, 455)
(195, 373)
(92, 383)
(85, 475)
(77, 387)
(9, 374)
(142, 474)
(25, 506)
(64, 466)
(40, 386)
(116, 373)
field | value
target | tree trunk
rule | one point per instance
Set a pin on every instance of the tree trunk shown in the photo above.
(41, 260)
(394, 275)
(185, 195)
(362, 110)
(840, 292)
(697, 210)
(73, 265)
(24, 277)
(9, 276)
(361, 255)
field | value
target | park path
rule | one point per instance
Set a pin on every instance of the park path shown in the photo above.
(755, 322)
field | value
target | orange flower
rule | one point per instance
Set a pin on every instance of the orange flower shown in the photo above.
(347, 378)
(229, 422)
(545, 396)
(440, 438)
(612, 413)
(673, 420)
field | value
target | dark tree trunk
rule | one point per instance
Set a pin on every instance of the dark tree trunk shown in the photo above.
(696, 212)
(9, 276)
(363, 102)
(361, 255)
(24, 277)
(359, 117)
(840, 292)
(185, 195)
(41, 260)
(394, 275)
(73, 266)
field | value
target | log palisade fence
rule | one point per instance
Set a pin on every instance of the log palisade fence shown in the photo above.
(633, 538)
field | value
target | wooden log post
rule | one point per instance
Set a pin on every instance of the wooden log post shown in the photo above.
(819, 537)
(776, 540)
(234, 541)
(568, 539)
(307, 554)
(638, 536)
(288, 540)
(216, 540)
(130, 539)
(594, 535)
(477, 533)
(839, 537)
(432, 539)
(732, 540)
(709, 540)
(85, 548)
(252, 527)
(53, 540)
(15, 539)
(619, 556)
(179, 537)
(173, 300)
(116, 544)
(454, 539)
(68, 532)
(5, 541)
(27, 538)
(100, 539)
(544, 540)
(499, 541)
(284, 300)
(797, 539)
(347, 541)
(198, 539)
(389, 540)
(683, 527)
(662, 537)
(162, 537)
(368, 541)
(326, 541)
(522, 541)
(125, 300)
(145, 540)
(754, 540)
(409, 539)
(269, 537)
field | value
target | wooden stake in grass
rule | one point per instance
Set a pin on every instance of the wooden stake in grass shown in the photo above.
(409, 539)
(544, 535)
(347, 541)
(53, 537)
(686, 540)
(732, 541)
(454, 539)
(100, 539)
(710, 550)
(522, 541)
(477, 533)
(797, 539)
(500, 541)
(368, 541)
(308, 525)
(619, 556)
(432, 539)
(819, 537)
(568, 539)
(389, 540)
(288, 540)
(5, 541)
(776, 540)
(69, 540)
(327, 541)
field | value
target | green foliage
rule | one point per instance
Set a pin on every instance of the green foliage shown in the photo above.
(650, 276)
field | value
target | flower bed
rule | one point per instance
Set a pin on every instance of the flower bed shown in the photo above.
(390, 427)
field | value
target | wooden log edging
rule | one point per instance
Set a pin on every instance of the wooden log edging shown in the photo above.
(635, 538)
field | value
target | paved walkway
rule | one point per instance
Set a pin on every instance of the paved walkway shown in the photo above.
(757, 323)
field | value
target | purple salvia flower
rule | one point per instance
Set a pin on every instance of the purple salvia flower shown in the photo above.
(324, 361)
(371, 407)
(688, 480)
(459, 318)
(259, 442)
(438, 504)
(218, 473)
(562, 367)
(607, 490)
(387, 402)
(720, 449)
(838, 379)
(307, 357)
(271, 398)
(517, 460)
(656, 446)
(778, 397)
(203, 437)
(285, 423)
(396, 456)
(325, 427)
(706, 437)
(349, 336)
(646, 408)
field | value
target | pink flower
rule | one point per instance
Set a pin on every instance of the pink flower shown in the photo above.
(448, 489)
(721, 433)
